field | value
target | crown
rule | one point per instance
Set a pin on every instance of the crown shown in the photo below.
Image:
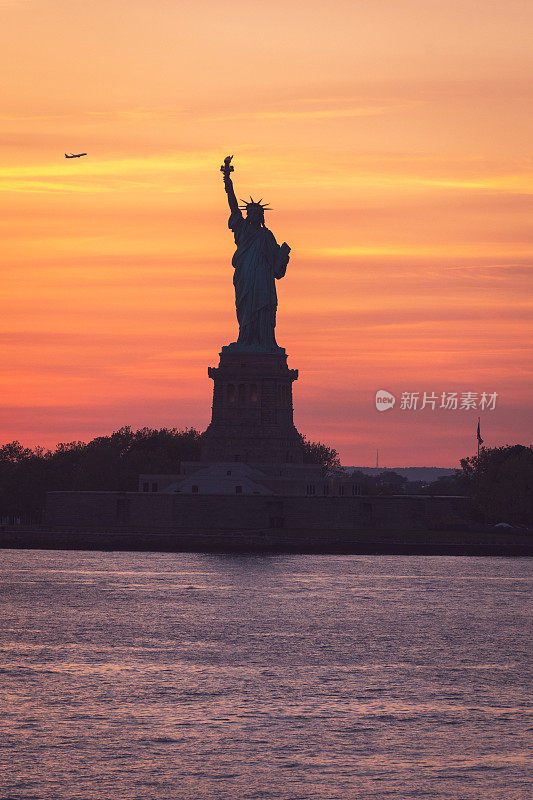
(254, 204)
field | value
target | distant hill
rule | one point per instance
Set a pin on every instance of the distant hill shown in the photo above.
(427, 474)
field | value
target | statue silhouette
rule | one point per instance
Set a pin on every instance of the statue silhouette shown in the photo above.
(258, 261)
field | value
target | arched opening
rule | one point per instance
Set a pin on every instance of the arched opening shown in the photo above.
(231, 394)
(254, 397)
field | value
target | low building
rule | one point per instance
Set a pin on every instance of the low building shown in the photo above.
(190, 511)
(231, 478)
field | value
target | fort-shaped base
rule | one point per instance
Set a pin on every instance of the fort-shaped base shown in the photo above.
(252, 417)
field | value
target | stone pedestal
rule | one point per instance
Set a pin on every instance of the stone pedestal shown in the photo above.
(252, 418)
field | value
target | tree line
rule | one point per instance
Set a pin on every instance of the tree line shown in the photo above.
(499, 480)
(106, 463)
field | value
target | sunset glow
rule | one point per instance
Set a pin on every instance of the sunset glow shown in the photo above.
(393, 141)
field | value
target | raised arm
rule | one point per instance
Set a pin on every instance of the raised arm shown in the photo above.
(232, 200)
(227, 169)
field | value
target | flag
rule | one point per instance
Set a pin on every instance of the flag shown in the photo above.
(479, 439)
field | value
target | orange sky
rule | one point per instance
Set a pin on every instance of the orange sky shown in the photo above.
(393, 138)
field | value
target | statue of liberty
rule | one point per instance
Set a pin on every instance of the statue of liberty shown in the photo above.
(258, 261)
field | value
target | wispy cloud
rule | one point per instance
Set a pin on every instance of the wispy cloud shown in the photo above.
(426, 251)
(323, 113)
(300, 170)
(30, 117)
(51, 187)
(189, 162)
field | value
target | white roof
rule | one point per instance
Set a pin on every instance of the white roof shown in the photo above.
(222, 478)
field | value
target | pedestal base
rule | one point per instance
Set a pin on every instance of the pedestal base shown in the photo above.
(252, 418)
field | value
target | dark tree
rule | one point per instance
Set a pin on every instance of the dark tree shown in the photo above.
(447, 485)
(390, 482)
(386, 483)
(107, 463)
(443, 485)
(500, 481)
(318, 453)
(368, 483)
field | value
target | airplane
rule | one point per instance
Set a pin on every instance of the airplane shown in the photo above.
(75, 155)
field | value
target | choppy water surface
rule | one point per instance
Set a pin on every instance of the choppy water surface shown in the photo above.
(146, 675)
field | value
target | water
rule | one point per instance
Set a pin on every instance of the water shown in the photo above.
(149, 675)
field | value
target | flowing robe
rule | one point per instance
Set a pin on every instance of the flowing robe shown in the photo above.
(258, 261)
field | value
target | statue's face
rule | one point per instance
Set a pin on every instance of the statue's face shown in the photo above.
(255, 217)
